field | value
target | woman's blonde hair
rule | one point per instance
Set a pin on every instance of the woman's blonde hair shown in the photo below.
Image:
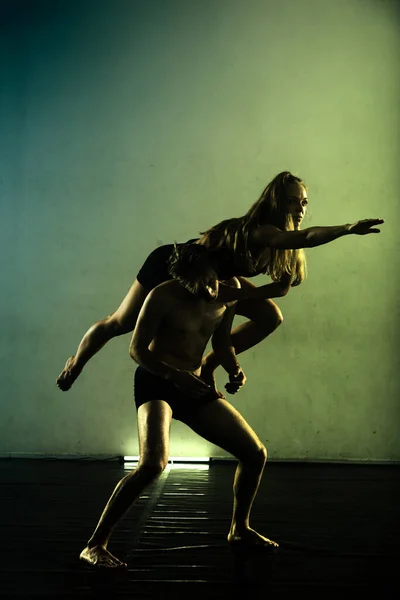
(270, 208)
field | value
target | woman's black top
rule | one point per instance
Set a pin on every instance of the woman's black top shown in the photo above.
(155, 268)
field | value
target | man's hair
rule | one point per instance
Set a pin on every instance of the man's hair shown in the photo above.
(188, 263)
(271, 208)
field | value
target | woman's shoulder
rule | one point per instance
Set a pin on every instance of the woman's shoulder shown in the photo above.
(260, 235)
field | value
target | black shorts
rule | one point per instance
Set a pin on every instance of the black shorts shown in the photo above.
(155, 268)
(148, 386)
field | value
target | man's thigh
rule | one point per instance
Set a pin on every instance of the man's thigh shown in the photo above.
(154, 425)
(221, 424)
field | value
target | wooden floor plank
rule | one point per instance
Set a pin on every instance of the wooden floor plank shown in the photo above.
(338, 527)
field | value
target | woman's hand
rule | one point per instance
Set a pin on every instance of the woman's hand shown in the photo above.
(207, 375)
(365, 226)
(236, 381)
(190, 384)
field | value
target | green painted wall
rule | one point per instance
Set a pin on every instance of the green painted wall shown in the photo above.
(128, 124)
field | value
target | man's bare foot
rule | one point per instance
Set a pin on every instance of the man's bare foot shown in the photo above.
(101, 558)
(68, 375)
(248, 538)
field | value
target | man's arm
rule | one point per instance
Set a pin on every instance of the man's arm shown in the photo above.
(222, 346)
(156, 306)
(222, 343)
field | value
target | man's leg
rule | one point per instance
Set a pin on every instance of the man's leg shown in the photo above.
(122, 321)
(264, 317)
(221, 424)
(154, 422)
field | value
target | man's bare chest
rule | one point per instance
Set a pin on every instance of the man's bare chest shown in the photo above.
(194, 320)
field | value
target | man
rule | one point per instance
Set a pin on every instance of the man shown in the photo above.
(177, 320)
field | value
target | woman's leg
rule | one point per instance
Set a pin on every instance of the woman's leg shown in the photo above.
(264, 317)
(121, 321)
(154, 423)
(221, 424)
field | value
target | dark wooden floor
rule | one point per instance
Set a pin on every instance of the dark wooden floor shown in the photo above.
(338, 527)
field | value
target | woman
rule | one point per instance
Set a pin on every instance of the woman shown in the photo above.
(267, 239)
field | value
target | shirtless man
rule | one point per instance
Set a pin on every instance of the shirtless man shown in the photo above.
(177, 320)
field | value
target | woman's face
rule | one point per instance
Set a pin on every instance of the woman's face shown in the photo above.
(296, 203)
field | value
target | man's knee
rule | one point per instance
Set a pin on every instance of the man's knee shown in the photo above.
(151, 468)
(257, 457)
(262, 454)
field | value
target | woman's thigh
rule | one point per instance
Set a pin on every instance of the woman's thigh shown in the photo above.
(154, 426)
(125, 317)
(221, 424)
(258, 309)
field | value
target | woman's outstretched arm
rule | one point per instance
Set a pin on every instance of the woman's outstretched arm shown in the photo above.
(271, 236)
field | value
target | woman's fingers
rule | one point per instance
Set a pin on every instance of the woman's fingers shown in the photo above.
(366, 226)
(200, 387)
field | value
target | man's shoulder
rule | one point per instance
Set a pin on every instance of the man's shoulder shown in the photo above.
(166, 291)
(234, 283)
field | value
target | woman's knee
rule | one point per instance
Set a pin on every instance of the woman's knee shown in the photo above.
(123, 320)
(117, 325)
(265, 313)
(277, 315)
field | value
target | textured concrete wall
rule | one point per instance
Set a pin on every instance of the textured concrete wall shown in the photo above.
(129, 124)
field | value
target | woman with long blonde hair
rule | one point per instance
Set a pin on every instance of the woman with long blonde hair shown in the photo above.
(267, 239)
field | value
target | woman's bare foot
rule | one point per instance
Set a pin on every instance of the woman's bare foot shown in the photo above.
(248, 538)
(68, 375)
(101, 558)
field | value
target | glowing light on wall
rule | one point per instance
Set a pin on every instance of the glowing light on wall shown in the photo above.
(175, 459)
(175, 462)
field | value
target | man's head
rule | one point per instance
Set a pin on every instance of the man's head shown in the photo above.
(192, 266)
